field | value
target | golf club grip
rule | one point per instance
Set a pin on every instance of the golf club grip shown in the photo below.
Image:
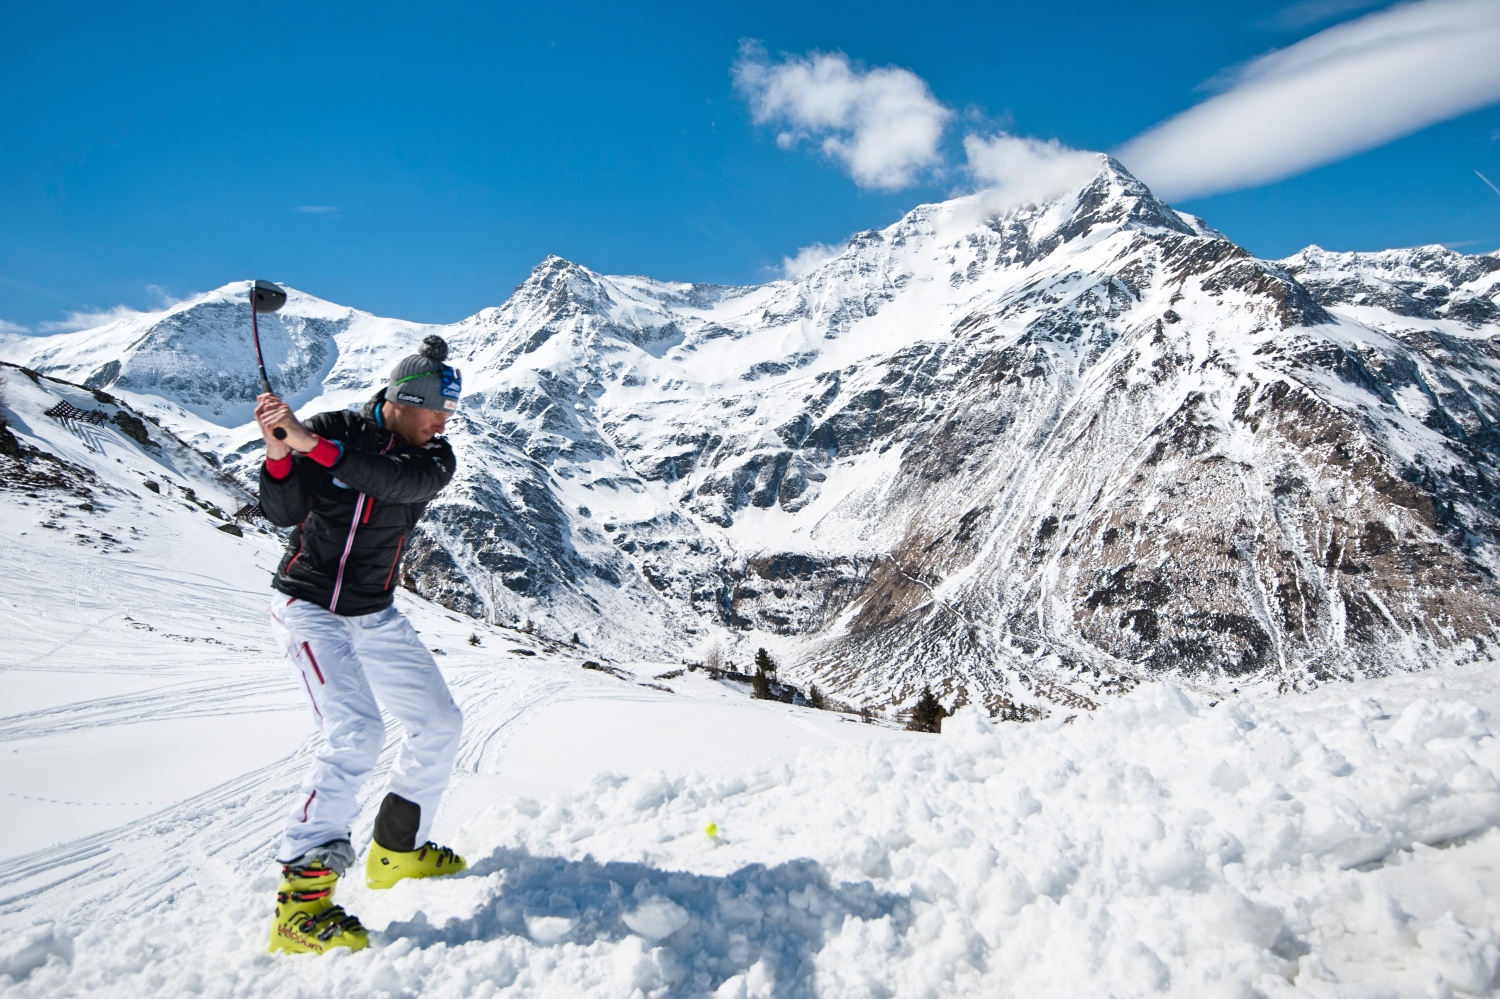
(265, 386)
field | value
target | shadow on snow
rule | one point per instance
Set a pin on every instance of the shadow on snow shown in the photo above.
(708, 928)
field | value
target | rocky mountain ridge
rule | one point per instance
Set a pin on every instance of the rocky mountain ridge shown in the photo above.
(1030, 455)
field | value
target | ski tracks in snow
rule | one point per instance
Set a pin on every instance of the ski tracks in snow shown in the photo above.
(226, 834)
(190, 699)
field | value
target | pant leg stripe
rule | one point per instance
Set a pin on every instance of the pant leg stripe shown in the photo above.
(311, 699)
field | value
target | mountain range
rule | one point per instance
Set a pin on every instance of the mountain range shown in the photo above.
(1029, 455)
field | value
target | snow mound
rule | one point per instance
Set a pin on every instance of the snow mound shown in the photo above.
(1158, 846)
(22, 955)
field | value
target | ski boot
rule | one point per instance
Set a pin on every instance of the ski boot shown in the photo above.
(307, 921)
(384, 868)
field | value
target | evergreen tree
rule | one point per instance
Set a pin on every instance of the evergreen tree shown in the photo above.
(815, 697)
(764, 662)
(928, 714)
(473, 638)
(761, 685)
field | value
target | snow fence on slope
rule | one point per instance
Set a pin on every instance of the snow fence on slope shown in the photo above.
(1156, 847)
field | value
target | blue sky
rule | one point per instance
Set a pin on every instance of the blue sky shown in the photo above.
(417, 161)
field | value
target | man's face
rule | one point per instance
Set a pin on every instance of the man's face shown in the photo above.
(416, 425)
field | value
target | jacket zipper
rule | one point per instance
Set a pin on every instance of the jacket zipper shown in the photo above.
(359, 508)
(338, 584)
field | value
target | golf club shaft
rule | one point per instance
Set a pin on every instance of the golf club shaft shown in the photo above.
(265, 383)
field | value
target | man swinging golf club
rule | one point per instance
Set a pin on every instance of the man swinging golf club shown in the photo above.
(352, 485)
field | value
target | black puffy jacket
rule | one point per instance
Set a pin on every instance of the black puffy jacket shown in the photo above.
(352, 521)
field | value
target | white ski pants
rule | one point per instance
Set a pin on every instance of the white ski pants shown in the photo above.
(345, 664)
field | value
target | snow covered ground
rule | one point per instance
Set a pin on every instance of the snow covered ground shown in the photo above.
(1338, 843)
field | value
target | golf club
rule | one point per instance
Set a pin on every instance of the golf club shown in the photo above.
(264, 297)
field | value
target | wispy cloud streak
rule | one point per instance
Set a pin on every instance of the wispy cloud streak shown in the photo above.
(809, 259)
(87, 319)
(1349, 88)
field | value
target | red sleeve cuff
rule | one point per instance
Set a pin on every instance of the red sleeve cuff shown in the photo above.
(326, 453)
(279, 468)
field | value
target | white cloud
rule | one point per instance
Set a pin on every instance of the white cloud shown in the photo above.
(1017, 170)
(809, 259)
(882, 124)
(886, 128)
(1350, 88)
(9, 327)
(164, 298)
(87, 320)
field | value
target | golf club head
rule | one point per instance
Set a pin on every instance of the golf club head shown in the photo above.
(266, 296)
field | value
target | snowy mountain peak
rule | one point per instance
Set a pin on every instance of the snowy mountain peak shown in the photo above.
(1116, 197)
(1112, 198)
(556, 282)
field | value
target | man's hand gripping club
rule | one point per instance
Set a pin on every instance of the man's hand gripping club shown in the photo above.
(270, 413)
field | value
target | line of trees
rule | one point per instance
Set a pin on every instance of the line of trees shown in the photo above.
(926, 715)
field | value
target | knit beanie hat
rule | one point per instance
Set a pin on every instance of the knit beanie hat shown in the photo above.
(424, 380)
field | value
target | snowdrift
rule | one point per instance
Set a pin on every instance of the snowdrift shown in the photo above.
(1161, 846)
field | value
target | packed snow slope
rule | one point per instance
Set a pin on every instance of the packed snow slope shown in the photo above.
(1028, 454)
(1338, 843)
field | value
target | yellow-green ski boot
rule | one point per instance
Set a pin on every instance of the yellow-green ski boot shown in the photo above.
(384, 868)
(307, 921)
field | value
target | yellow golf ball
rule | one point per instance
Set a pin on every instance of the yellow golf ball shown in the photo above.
(712, 829)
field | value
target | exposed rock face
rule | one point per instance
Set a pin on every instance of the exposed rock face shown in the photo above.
(1030, 456)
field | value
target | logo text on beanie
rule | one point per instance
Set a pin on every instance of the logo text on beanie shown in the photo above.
(411, 398)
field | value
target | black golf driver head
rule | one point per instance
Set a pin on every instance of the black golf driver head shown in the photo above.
(267, 297)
